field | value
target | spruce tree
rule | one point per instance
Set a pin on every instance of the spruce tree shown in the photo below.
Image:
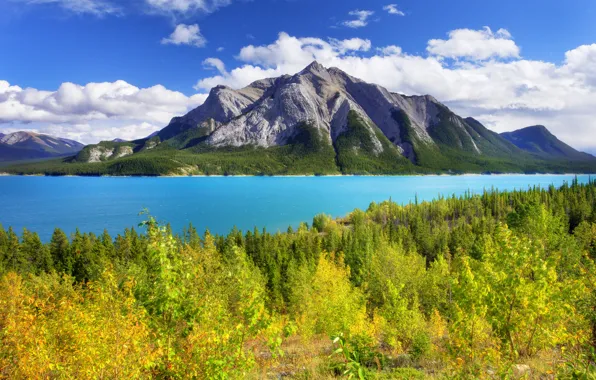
(60, 252)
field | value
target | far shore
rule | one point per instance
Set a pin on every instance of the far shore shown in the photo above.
(4, 174)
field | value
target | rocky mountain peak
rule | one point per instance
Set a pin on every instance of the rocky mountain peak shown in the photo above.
(270, 112)
(314, 68)
(16, 137)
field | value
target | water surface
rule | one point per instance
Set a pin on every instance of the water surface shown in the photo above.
(93, 204)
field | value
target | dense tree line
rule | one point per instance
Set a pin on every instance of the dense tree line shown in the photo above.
(471, 286)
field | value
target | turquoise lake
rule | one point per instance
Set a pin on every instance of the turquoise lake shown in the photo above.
(219, 203)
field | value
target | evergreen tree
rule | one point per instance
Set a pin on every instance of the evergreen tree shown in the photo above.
(36, 254)
(108, 245)
(13, 258)
(61, 253)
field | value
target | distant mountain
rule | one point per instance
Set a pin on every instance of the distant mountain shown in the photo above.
(117, 140)
(28, 145)
(318, 121)
(538, 140)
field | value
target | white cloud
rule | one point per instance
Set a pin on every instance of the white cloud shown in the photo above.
(505, 95)
(475, 44)
(361, 20)
(89, 133)
(186, 35)
(220, 49)
(96, 110)
(392, 9)
(187, 6)
(95, 7)
(390, 50)
(216, 63)
(353, 44)
(287, 55)
(582, 62)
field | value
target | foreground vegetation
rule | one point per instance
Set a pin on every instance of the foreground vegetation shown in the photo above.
(499, 285)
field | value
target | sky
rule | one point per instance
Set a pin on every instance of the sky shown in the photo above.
(94, 70)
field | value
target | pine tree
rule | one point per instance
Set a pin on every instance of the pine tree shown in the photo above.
(61, 253)
(108, 244)
(36, 254)
(13, 258)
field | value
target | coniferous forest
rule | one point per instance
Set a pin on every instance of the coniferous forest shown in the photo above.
(498, 285)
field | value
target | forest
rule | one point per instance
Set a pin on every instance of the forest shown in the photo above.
(492, 285)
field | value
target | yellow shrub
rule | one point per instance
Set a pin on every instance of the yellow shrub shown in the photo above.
(50, 329)
(329, 304)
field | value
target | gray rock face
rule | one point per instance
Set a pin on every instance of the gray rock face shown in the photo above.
(99, 154)
(268, 112)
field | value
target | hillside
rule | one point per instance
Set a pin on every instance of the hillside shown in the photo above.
(497, 285)
(318, 121)
(538, 140)
(28, 145)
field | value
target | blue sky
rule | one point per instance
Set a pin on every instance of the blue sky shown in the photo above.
(515, 74)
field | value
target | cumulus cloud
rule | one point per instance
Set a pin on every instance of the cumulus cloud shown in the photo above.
(353, 44)
(186, 35)
(287, 55)
(89, 133)
(390, 50)
(361, 19)
(95, 7)
(582, 61)
(216, 63)
(187, 6)
(503, 94)
(93, 111)
(393, 10)
(475, 44)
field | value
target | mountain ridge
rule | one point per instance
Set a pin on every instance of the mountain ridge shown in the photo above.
(317, 121)
(537, 139)
(24, 145)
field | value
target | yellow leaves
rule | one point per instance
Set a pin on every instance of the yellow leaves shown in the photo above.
(437, 326)
(330, 303)
(83, 334)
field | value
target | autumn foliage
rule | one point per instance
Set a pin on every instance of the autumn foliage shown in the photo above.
(500, 285)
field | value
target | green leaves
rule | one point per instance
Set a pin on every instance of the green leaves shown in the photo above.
(445, 286)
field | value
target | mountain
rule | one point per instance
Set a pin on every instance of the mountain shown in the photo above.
(271, 112)
(118, 140)
(28, 145)
(318, 121)
(539, 141)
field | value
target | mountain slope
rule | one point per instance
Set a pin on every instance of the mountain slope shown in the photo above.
(28, 145)
(538, 140)
(266, 113)
(318, 121)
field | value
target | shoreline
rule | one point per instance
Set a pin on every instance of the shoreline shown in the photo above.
(4, 174)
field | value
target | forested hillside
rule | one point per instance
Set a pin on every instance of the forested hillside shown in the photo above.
(498, 285)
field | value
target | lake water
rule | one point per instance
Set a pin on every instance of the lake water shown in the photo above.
(42, 203)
